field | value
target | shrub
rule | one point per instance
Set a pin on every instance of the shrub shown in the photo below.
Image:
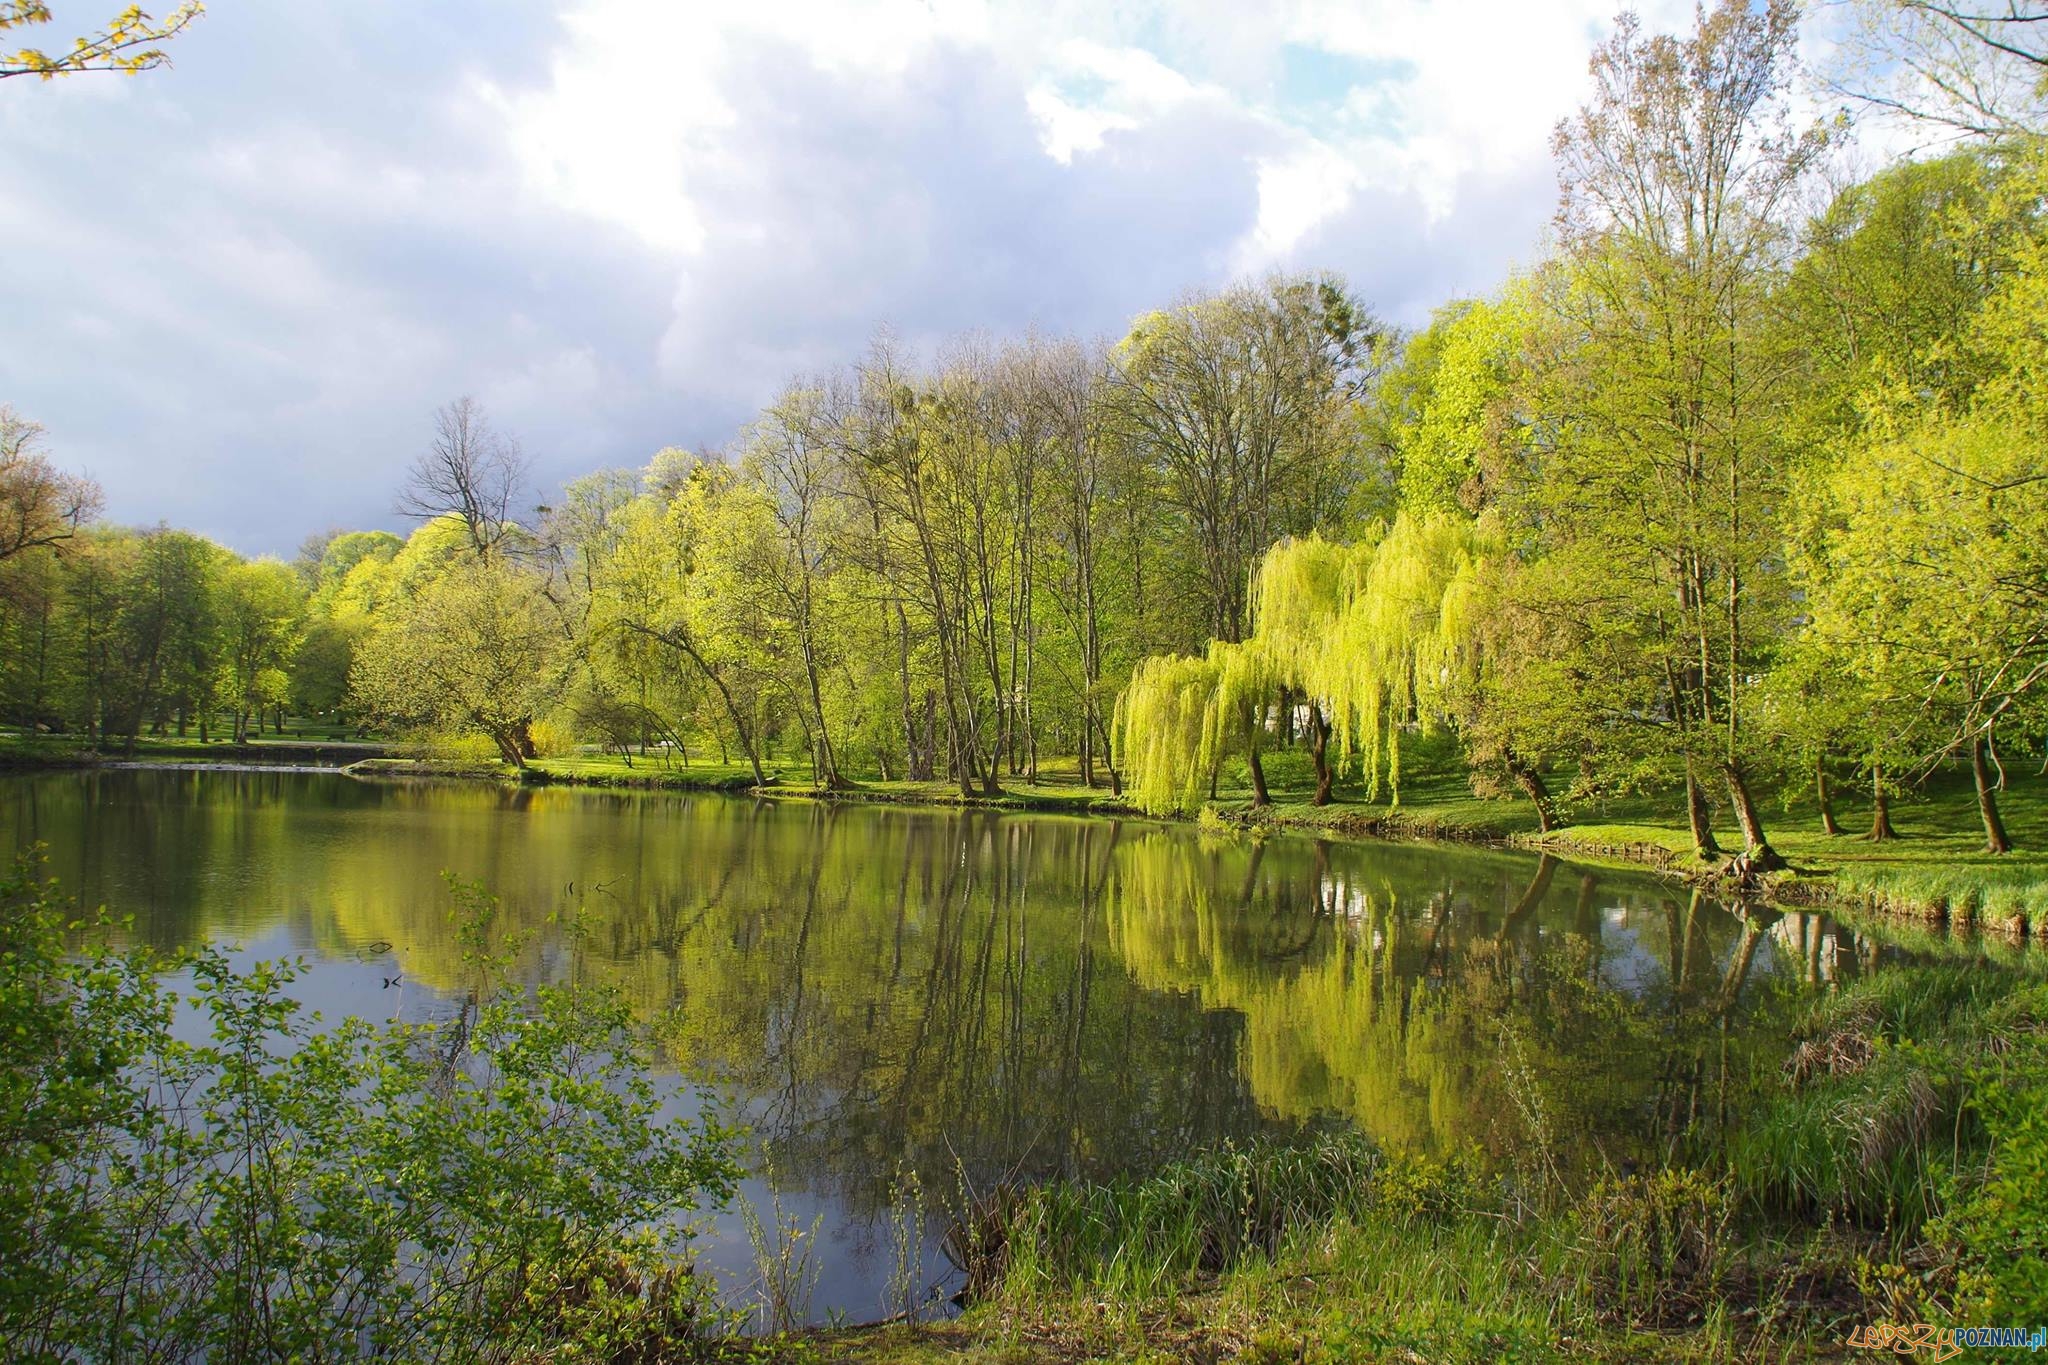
(1414, 1189)
(553, 739)
(1995, 1227)
(461, 746)
(502, 1182)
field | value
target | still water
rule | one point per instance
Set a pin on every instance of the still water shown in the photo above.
(878, 990)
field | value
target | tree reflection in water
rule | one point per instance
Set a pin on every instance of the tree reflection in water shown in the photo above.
(882, 988)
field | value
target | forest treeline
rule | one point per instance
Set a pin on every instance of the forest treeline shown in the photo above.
(1743, 484)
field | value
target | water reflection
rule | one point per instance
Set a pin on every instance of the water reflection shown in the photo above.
(882, 989)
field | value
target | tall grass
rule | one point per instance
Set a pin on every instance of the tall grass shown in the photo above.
(1137, 1237)
(1333, 1251)
(1873, 1120)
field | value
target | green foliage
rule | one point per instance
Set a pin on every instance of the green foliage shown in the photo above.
(1922, 558)
(1892, 1105)
(1451, 402)
(1166, 730)
(473, 648)
(206, 1168)
(1373, 634)
(1996, 1223)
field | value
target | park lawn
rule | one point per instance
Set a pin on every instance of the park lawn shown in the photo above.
(1937, 867)
(651, 771)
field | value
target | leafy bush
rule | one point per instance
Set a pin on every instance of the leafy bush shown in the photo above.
(1415, 1189)
(553, 738)
(457, 746)
(501, 1182)
(1996, 1224)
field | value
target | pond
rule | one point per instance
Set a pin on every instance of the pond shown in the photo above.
(883, 990)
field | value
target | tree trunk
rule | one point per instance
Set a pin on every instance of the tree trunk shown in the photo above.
(1116, 779)
(1319, 745)
(1704, 844)
(824, 763)
(1756, 847)
(1825, 796)
(916, 760)
(1880, 808)
(1531, 783)
(508, 747)
(1087, 741)
(1254, 726)
(1995, 840)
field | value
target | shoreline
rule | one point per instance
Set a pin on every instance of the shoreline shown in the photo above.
(1800, 887)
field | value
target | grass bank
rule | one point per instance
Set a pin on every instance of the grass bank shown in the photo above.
(1936, 869)
(308, 745)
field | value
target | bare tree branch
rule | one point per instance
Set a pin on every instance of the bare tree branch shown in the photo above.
(469, 472)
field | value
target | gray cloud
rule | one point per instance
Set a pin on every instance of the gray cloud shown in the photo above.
(235, 290)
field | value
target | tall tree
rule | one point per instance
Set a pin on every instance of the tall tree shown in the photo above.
(471, 472)
(260, 611)
(40, 505)
(792, 463)
(1666, 396)
(1242, 402)
(679, 587)
(1927, 565)
(477, 647)
(1090, 479)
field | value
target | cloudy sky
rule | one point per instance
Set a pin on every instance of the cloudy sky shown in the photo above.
(236, 289)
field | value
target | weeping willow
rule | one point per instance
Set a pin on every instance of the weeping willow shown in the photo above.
(1182, 714)
(1401, 650)
(1301, 591)
(1376, 632)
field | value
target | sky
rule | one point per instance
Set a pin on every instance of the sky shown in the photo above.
(236, 289)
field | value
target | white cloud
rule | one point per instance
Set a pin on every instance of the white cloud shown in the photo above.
(649, 112)
(1088, 90)
(242, 284)
(1297, 191)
